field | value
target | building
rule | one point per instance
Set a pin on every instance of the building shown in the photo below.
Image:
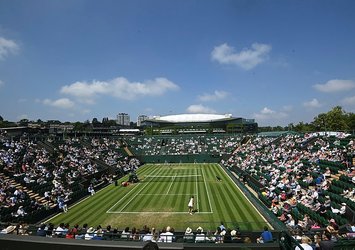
(199, 123)
(140, 119)
(123, 119)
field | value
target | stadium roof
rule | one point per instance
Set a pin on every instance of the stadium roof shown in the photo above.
(191, 118)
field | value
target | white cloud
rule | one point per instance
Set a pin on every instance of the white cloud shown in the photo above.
(269, 114)
(349, 101)
(63, 103)
(335, 85)
(217, 95)
(247, 59)
(7, 47)
(314, 103)
(200, 109)
(120, 88)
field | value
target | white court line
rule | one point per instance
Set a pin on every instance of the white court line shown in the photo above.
(208, 194)
(51, 218)
(157, 212)
(135, 195)
(267, 222)
(166, 194)
(123, 197)
(197, 203)
(140, 194)
(172, 182)
(171, 176)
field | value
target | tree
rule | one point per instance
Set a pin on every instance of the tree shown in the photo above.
(23, 122)
(303, 127)
(320, 122)
(334, 120)
(95, 122)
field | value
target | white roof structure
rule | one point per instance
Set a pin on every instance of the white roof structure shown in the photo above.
(192, 118)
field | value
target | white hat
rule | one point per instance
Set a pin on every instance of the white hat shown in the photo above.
(9, 229)
(90, 230)
(200, 228)
(223, 233)
(188, 230)
(344, 204)
(233, 233)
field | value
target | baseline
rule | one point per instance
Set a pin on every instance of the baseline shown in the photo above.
(152, 212)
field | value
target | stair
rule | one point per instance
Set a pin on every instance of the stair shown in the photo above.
(126, 149)
(31, 194)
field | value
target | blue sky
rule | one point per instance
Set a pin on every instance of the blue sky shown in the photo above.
(278, 62)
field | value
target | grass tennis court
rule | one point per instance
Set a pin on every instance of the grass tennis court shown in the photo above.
(161, 197)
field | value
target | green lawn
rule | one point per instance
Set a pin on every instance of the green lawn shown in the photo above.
(161, 198)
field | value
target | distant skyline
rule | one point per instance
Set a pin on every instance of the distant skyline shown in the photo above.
(278, 62)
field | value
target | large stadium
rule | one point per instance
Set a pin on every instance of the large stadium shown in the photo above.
(177, 125)
(200, 123)
(128, 187)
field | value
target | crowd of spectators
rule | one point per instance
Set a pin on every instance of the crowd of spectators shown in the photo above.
(56, 174)
(167, 234)
(110, 151)
(184, 145)
(307, 181)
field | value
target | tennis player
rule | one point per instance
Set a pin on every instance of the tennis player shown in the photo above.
(191, 204)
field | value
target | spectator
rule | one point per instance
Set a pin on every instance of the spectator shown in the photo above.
(91, 190)
(326, 242)
(149, 236)
(168, 235)
(60, 230)
(189, 236)
(266, 236)
(89, 233)
(200, 236)
(305, 244)
(125, 233)
(41, 231)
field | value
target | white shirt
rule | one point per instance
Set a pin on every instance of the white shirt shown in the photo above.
(305, 247)
(191, 202)
(166, 237)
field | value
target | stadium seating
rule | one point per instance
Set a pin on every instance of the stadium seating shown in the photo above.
(310, 169)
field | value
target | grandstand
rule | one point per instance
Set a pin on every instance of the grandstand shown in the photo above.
(199, 124)
(298, 183)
